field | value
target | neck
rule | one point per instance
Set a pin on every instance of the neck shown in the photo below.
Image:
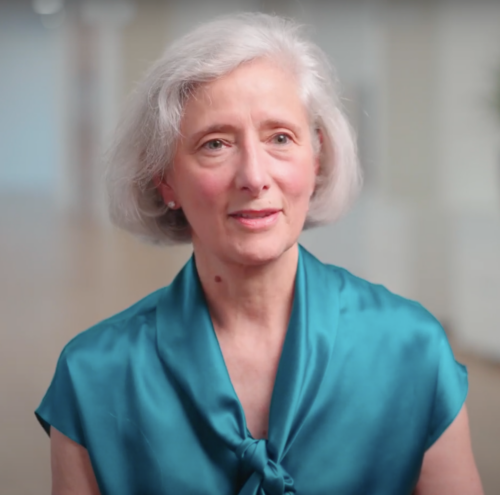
(248, 299)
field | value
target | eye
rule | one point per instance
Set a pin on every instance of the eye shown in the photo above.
(214, 145)
(281, 138)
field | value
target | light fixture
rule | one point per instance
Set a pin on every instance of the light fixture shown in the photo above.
(47, 7)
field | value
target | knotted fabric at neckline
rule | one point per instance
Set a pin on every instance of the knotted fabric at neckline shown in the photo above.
(255, 459)
(189, 337)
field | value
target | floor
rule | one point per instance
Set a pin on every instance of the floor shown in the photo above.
(60, 274)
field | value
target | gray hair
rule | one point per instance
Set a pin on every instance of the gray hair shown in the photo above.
(145, 143)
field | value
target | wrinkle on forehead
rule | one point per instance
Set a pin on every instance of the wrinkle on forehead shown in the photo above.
(271, 83)
(200, 90)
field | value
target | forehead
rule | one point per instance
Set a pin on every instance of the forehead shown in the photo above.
(260, 89)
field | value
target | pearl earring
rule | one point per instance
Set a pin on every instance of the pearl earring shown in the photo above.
(171, 204)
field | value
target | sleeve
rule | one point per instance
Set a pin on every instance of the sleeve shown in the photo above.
(450, 392)
(59, 408)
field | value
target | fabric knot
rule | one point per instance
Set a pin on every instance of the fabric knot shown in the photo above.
(255, 459)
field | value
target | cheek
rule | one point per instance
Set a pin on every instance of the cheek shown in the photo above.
(298, 182)
(204, 190)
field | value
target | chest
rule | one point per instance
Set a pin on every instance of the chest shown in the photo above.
(252, 371)
(336, 442)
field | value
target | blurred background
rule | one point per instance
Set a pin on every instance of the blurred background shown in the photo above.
(421, 83)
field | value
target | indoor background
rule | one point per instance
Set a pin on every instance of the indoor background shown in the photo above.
(421, 83)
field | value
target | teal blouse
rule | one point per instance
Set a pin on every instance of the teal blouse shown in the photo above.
(366, 384)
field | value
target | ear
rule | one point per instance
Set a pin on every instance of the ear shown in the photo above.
(317, 164)
(165, 189)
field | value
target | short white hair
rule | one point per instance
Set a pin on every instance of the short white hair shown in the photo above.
(145, 143)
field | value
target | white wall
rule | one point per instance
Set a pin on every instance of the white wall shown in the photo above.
(469, 172)
(469, 134)
(187, 14)
(30, 57)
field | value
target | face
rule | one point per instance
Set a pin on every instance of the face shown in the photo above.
(245, 167)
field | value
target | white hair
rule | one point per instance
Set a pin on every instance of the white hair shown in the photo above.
(145, 142)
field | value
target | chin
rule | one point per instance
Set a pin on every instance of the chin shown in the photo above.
(259, 251)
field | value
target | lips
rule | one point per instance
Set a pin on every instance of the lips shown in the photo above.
(256, 220)
(254, 213)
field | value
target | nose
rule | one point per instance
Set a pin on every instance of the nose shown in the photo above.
(252, 175)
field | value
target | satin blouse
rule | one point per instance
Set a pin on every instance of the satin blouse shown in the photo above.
(366, 383)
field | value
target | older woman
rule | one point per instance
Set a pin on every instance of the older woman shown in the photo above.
(259, 370)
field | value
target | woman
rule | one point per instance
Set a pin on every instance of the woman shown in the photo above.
(259, 370)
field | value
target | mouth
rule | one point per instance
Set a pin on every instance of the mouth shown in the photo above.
(254, 213)
(256, 219)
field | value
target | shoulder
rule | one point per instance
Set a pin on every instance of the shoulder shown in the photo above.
(371, 311)
(116, 336)
(368, 296)
(93, 368)
(386, 331)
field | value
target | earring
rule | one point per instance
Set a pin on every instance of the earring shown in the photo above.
(171, 204)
